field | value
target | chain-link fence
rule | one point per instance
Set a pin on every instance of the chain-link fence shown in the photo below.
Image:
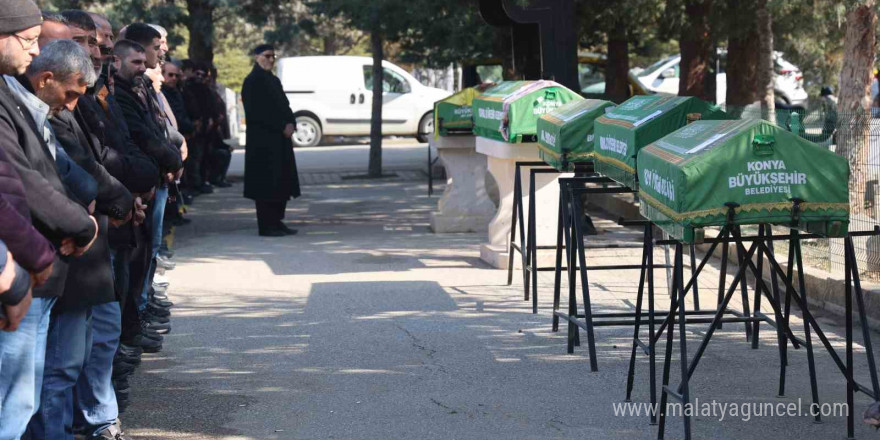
(857, 137)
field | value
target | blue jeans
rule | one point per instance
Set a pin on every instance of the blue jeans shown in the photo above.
(22, 356)
(95, 406)
(156, 242)
(66, 349)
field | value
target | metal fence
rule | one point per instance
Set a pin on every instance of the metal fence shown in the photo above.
(857, 137)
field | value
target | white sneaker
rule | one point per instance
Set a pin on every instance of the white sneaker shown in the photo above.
(161, 280)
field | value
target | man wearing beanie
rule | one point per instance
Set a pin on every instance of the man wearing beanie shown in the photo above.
(61, 220)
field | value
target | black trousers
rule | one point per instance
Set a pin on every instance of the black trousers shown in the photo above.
(220, 158)
(270, 214)
(194, 165)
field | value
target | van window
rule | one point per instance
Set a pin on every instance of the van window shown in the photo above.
(392, 82)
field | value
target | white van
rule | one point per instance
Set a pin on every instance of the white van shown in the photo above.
(332, 95)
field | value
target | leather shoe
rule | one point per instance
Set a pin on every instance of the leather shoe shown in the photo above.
(150, 345)
(112, 433)
(122, 369)
(163, 303)
(162, 329)
(128, 358)
(159, 311)
(272, 233)
(151, 318)
(129, 349)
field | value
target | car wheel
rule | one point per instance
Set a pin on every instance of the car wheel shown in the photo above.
(308, 132)
(426, 127)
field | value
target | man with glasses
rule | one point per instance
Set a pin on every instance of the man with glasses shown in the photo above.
(105, 35)
(270, 168)
(171, 89)
(61, 220)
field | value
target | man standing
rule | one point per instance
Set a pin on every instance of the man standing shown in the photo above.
(59, 219)
(59, 77)
(270, 167)
(149, 131)
(171, 89)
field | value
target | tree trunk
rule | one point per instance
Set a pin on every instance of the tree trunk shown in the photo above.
(375, 167)
(742, 58)
(617, 68)
(766, 93)
(331, 45)
(201, 30)
(504, 45)
(696, 47)
(855, 97)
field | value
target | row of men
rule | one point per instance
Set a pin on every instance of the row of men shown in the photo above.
(91, 152)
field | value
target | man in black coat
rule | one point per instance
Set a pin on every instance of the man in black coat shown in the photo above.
(171, 88)
(148, 129)
(270, 167)
(90, 280)
(61, 220)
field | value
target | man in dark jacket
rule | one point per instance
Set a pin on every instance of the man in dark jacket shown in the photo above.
(148, 129)
(58, 218)
(270, 167)
(219, 154)
(171, 88)
(91, 127)
(140, 174)
(197, 100)
(64, 66)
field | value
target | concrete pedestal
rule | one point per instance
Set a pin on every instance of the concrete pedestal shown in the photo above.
(465, 205)
(502, 158)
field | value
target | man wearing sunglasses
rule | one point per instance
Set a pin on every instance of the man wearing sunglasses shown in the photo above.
(270, 167)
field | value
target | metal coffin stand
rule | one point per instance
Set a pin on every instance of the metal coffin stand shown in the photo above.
(762, 245)
(572, 231)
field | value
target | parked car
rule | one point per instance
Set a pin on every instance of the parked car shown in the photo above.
(663, 77)
(332, 95)
(591, 74)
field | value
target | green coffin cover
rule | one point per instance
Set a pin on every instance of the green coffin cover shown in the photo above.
(621, 133)
(454, 115)
(565, 135)
(687, 177)
(509, 112)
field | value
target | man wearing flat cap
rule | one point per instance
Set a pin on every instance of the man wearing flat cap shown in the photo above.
(270, 168)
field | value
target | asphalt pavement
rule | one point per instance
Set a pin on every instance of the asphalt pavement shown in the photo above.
(366, 325)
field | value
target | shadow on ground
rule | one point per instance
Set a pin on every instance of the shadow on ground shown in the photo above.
(365, 326)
